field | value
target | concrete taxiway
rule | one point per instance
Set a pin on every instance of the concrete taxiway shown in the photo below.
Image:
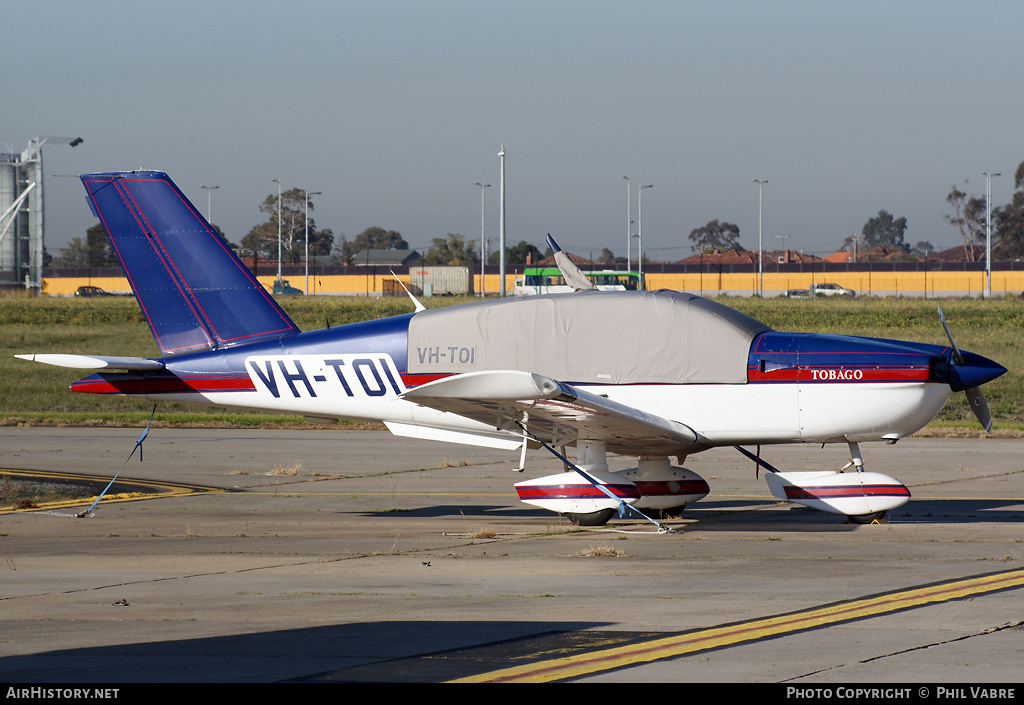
(339, 555)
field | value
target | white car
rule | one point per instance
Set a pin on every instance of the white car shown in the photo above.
(830, 289)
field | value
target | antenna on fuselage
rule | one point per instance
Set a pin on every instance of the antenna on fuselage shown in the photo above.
(415, 301)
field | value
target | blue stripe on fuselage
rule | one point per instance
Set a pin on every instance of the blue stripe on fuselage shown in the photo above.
(823, 351)
(386, 335)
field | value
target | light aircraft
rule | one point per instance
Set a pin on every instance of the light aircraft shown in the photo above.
(650, 374)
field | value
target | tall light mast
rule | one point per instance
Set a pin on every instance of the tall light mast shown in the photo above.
(760, 254)
(483, 239)
(209, 201)
(629, 227)
(501, 228)
(640, 226)
(308, 194)
(988, 233)
(278, 229)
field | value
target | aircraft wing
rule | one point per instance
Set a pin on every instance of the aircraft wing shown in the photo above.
(554, 412)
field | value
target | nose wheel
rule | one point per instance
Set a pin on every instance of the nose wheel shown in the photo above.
(598, 518)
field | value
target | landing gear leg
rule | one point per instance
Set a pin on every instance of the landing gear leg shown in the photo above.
(857, 461)
(855, 457)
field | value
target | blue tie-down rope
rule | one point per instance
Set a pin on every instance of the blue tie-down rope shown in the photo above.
(138, 447)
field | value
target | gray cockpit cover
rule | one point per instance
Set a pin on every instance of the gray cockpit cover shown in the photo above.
(591, 337)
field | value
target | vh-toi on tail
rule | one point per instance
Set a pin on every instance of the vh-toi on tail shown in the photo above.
(657, 375)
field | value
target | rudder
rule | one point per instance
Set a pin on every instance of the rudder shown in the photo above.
(194, 292)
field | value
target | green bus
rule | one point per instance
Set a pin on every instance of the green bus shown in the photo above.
(549, 280)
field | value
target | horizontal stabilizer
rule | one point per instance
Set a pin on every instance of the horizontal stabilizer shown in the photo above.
(94, 362)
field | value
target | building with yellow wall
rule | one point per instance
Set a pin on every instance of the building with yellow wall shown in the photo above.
(913, 279)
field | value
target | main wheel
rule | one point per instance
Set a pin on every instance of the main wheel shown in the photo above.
(671, 512)
(598, 518)
(866, 518)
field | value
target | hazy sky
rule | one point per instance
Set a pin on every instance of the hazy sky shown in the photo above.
(395, 109)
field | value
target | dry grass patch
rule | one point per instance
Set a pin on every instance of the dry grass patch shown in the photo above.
(289, 471)
(607, 551)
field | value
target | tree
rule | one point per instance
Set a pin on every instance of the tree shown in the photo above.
(883, 231)
(608, 257)
(1008, 222)
(518, 254)
(450, 250)
(264, 240)
(969, 218)
(94, 251)
(373, 238)
(223, 237)
(715, 236)
(922, 249)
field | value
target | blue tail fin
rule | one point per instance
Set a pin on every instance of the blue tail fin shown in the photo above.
(194, 292)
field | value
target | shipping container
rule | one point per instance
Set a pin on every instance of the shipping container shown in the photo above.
(441, 280)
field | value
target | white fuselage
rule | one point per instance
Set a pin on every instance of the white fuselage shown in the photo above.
(366, 387)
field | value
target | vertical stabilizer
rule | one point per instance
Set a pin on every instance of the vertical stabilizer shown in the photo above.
(194, 292)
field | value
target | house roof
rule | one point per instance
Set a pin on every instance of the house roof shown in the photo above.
(959, 254)
(741, 256)
(840, 257)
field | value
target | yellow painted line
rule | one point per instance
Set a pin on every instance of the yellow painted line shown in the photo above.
(284, 490)
(153, 489)
(678, 645)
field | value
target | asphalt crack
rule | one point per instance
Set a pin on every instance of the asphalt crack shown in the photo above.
(922, 647)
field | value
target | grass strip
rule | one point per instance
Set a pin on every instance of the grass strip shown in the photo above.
(38, 394)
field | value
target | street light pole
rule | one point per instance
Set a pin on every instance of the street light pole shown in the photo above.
(629, 237)
(209, 201)
(988, 233)
(501, 228)
(278, 229)
(785, 250)
(760, 255)
(483, 239)
(308, 194)
(640, 225)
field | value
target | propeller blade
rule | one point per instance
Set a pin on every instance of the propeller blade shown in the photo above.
(958, 357)
(980, 408)
(974, 396)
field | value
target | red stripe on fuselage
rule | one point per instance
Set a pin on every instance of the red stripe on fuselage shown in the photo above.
(138, 385)
(839, 373)
(410, 380)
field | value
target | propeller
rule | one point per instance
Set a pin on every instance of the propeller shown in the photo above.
(969, 373)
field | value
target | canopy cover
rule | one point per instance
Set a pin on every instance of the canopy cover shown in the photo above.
(591, 337)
